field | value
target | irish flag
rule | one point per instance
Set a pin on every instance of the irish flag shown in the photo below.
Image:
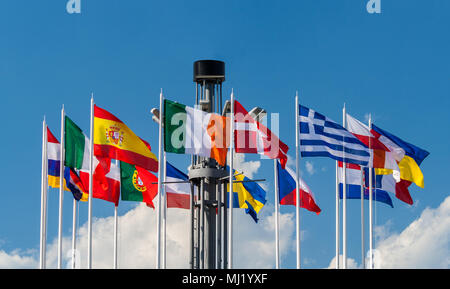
(114, 140)
(192, 131)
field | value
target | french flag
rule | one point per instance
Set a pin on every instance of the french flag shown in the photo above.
(286, 190)
(178, 189)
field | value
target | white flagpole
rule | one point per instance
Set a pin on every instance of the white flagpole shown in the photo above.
(116, 228)
(370, 201)
(74, 231)
(363, 259)
(44, 189)
(297, 181)
(230, 194)
(277, 229)
(61, 191)
(91, 172)
(160, 167)
(337, 217)
(116, 224)
(164, 198)
(344, 204)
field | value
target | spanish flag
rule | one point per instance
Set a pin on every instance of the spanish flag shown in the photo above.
(113, 139)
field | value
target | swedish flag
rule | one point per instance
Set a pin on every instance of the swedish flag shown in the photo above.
(247, 195)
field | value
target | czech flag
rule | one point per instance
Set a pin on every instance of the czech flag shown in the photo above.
(286, 189)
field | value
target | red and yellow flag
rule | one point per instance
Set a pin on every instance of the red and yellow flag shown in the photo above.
(113, 139)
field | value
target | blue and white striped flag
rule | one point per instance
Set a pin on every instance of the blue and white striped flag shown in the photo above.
(322, 137)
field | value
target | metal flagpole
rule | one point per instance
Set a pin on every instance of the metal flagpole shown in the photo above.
(297, 181)
(160, 167)
(44, 189)
(363, 259)
(277, 204)
(164, 219)
(116, 224)
(230, 194)
(337, 217)
(61, 191)
(91, 171)
(344, 205)
(74, 231)
(370, 201)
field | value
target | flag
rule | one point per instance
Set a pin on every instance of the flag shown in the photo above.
(106, 180)
(137, 184)
(353, 185)
(53, 159)
(247, 195)
(192, 131)
(251, 136)
(287, 190)
(114, 140)
(177, 189)
(322, 137)
(76, 146)
(382, 157)
(409, 156)
(383, 180)
(74, 184)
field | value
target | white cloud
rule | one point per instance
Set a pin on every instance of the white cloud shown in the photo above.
(351, 263)
(253, 246)
(310, 168)
(18, 259)
(425, 243)
(253, 243)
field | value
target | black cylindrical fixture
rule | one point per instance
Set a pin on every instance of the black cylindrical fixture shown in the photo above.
(209, 70)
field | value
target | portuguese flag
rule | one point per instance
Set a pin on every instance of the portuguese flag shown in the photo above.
(137, 184)
(192, 131)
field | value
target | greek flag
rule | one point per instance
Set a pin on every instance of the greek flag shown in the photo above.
(322, 137)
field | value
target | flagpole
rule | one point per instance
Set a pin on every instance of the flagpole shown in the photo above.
(344, 204)
(116, 229)
(74, 231)
(164, 219)
(297, 189)
(160, 167)
(370, 201)
(363, 259)
(91, 171)
(44, 189)
(337, 218)
(277, 233)
(230, 194)
(61, 190)
(116, 224)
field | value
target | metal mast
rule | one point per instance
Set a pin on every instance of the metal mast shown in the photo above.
(208, 179)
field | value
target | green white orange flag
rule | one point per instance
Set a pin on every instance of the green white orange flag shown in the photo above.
(114, 140)
(192, 131)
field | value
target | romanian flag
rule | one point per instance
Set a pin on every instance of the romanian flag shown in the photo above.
(114, 140)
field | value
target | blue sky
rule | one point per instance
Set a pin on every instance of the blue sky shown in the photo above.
(394, 65)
